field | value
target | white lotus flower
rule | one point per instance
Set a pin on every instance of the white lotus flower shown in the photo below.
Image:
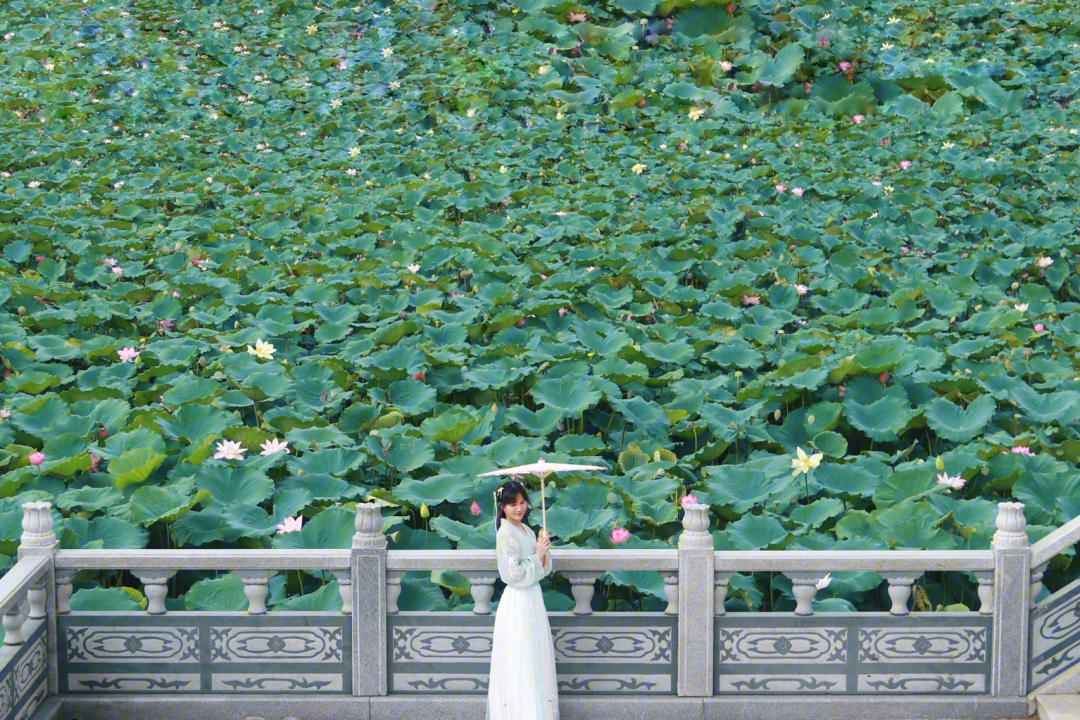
(229, 450)
(274, 445)
(262, 350)
(804, 463)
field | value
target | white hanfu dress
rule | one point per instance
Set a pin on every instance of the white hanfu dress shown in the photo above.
(521, 685)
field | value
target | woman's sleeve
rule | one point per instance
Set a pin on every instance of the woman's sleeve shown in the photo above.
(515, 571)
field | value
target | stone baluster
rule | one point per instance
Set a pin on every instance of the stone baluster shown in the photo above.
(483, 587)
(697, 562)
(13, 625)
(986, 591)
(155, 588)
(63, 591)
(35, 599)
(900, 589)
(720, 591)
(393, 590)
(804, 586)
(1036, 585)
(256, 588)
(671, 591)
(582, 587)
(1012, 580)
(344, 581)
(369, 602)
(39, 540)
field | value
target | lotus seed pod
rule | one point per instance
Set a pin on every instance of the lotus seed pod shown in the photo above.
(612, 498)
(22, 310)
(738, 373)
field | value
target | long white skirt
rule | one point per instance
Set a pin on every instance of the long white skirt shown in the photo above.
(522, 685)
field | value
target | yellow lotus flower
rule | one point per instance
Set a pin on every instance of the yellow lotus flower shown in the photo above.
(804, 463)
(262, 350)
(353, 152)
(638, 169)
(335, 103)
(696, 112)
(471, 112)
(312, 29)
(387, 52)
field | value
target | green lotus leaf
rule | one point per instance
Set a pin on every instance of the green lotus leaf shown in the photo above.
(818, 512)
(331, 529)
(136, 439)
(741, 487)
(113, 533)
(450, 427)
(541, 422)
(752, 532)
(571, 396)
(325, 599)
(150, 504)
(193, 422)
(411, 397)
(104, 599)
(647, 582)
(401, 452)
(1048, 407)
(952, 422)
(223, 594)
(881, 420)
(831, 443)
(453, 581)
(134, 466)
(89, 499)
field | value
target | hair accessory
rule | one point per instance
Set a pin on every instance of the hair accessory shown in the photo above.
(498, 492)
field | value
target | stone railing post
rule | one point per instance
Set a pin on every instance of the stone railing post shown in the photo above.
(1012, 577)
(695, 604)
(369, 602)
(155, 588)
(38, 539)
(582, 587)
(986, 591)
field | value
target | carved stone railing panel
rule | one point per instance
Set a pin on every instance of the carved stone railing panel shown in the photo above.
(600, 653)
(24, 681)
(856, 653)
(195, 652)
(1055, 635)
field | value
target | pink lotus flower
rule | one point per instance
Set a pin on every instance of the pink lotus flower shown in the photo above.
(118, 271)
(905, 164)
(128, 354)
(36, 458)
(39, 258)
(93, 462)
(562, 312)
(857, 118)
(475, 508)
(576, 17)
(751, 300)
(905, 249)
(845, 66)
(108, 262)
(521, 322)
(689, 500)
(543, 277)
(797, 192)
(1022, 450)
(619, 536)
(290, 525)
(175, 294)
(1039, 327)
(955, 482)
(780, 189)
(840, 391)
(801, 289)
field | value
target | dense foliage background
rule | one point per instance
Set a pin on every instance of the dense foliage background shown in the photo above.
(680, 239)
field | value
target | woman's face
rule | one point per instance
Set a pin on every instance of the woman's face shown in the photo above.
(516, 510)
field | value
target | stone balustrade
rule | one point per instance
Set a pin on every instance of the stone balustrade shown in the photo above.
(693, 648)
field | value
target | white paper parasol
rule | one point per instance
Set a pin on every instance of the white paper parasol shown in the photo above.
(541, 469)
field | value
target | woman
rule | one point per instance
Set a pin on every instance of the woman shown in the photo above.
(521, 685)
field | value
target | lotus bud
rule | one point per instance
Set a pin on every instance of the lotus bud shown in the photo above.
(810, 419)
(776, 415)
(424, 512)
(1015, 285)
(22, 310)
(939, 464)
(738, 373)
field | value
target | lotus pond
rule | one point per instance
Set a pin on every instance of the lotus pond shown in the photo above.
(813, 264)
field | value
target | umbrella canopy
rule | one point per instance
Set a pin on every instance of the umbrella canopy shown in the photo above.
(541, 469)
